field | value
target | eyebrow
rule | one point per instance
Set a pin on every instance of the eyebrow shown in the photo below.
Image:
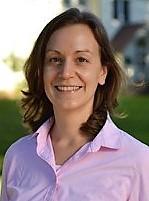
(85, 50)
(50, 50)
(77, 51)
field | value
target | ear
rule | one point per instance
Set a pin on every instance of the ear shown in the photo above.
(103, 75)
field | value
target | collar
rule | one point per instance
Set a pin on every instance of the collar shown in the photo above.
(44, 146)
(108, 137)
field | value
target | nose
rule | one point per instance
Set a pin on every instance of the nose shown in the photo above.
(67, 70)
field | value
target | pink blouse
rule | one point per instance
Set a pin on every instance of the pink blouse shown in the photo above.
(113, 167)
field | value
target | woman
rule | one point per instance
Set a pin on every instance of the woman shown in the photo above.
(75, 152)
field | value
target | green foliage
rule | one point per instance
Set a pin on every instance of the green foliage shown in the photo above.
(16, 63)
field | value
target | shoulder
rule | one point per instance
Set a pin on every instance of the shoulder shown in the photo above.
(22, 147)
(26, 147)
(137, 150)
(131, 142)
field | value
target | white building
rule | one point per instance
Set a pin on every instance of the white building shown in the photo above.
(114, 13)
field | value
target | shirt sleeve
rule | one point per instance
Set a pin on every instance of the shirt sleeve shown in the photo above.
(140, 186)
(4, 196)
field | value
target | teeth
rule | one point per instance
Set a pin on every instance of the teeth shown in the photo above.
(68, 88)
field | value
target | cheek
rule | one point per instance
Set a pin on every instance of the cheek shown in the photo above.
(91, 76)
(45, 79)
(48, 75)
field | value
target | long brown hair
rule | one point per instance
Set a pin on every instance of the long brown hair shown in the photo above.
(37, 107)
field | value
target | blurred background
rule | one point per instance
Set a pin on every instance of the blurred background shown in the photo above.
(127, 24)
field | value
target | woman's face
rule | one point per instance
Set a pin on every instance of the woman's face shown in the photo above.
(72, 68)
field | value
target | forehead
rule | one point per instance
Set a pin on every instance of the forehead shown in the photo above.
(73, 36)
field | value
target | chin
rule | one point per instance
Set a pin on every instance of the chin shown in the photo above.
(69, 106)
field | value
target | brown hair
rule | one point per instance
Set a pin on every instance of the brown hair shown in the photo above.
(36, 105)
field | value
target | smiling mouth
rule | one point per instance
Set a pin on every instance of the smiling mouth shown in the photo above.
(68, 88)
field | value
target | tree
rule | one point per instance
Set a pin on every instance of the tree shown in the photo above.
(16, 63)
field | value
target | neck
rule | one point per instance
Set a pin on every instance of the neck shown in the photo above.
(67, 125)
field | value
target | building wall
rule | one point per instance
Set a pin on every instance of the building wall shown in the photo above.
(95, 7)
(104, 9)
(106, 16)
(138, 12)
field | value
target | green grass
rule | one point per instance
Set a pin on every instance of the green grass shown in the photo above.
(137, 122)
(10, 125)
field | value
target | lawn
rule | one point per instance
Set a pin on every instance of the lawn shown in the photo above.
(137, 122)
(10, 125)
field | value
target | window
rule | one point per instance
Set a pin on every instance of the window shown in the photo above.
(121, 10)
(115, 9)
(126, 11)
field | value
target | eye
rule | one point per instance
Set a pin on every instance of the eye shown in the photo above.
(56, 60)
(82, 60)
